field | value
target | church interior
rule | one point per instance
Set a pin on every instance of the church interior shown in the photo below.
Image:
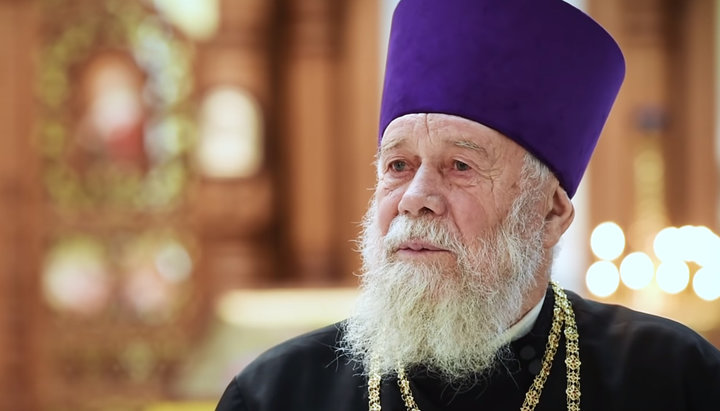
(182, 183)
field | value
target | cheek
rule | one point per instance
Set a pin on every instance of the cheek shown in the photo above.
(387, 208)
(473, 218)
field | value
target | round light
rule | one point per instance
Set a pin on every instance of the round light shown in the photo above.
(712, 254)
(231, 134)
(666, 244)
(607, 241)
(76, 277)
(602, 278)
(689, 242)
(673, 276)
(706, 283)
(636, 270)
(198, 19)
(706, 247)
(173, 262)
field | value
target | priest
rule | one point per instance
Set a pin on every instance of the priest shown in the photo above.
(490, 112)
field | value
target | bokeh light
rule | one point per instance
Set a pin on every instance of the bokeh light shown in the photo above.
(607, 241)
(198, 19)
(706, 283)
(672, 276)
(231, 134)
(706, 247)
(636, 270)
(76, 277)
(602, 278)
(687, 242)
(665, 244)
(173, 262)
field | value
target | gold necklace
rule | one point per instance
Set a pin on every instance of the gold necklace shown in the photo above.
(562, 314)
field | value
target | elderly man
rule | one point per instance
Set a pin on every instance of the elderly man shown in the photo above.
(491, 110)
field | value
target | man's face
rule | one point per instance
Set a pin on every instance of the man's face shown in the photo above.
(448, 168)
(452, 245)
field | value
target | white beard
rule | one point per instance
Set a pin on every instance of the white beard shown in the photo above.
(449, 319)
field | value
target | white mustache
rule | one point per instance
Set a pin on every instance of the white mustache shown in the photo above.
(432, 232)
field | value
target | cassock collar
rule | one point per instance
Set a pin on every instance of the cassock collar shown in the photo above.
(522, 327)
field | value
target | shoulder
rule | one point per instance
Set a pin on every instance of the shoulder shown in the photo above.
(316, 347)
(305, 372)
(643, 355)
(627, 326)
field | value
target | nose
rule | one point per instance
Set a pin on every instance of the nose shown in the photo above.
(424, 194)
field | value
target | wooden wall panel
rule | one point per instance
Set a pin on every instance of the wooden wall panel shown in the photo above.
(329, 117)
(19, 305)
(692, 170)
(359, 95)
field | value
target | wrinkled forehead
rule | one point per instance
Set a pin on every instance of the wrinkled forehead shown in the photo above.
(445, 130)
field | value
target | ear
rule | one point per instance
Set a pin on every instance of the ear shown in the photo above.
(559, 215)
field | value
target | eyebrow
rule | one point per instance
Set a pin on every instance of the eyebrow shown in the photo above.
(389, 146)
(472, 146)
(458, 143)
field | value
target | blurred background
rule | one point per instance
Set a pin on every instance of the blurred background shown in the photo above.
(181, 182)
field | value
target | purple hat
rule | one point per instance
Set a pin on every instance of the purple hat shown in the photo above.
(539, 71)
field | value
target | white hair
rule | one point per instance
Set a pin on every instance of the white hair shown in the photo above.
(535, 171)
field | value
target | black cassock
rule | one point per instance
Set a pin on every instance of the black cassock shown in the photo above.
(630, 361)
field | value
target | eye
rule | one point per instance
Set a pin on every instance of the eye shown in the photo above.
(398, 166)
(460, 166)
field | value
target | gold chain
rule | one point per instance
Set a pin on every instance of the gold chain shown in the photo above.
(562, 313)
